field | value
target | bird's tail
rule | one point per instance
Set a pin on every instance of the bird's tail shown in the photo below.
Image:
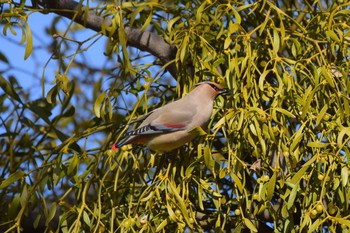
(117, 146)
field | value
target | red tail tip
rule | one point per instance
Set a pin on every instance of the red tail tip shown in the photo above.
(114, 147)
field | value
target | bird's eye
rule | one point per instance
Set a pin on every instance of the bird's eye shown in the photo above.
(216, 88)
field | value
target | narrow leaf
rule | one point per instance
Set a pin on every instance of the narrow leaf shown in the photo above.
(344, 176)
(162, 225)
(317, 144)
(8, 89)
(97, 105)
(29, 44)
(250, 225)
(12, 179)
(342, 133)
(321, 114)
(262, 79)
(271, 187)
(51, 213)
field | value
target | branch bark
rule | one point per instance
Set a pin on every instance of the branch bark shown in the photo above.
(143, 40)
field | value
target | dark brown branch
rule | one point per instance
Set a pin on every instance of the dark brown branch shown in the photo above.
(143, 40)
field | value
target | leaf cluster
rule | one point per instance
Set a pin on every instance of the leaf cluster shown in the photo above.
(276, 157)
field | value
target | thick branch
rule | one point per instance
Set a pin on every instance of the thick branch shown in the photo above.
(145, 41)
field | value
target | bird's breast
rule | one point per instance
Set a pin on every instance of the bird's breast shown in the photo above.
(170, 141)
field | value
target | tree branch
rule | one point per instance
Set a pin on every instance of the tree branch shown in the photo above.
(143, 40)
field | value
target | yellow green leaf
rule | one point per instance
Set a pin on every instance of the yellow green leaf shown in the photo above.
(162, 225)
(29, 42)
(12, 179)
(250, 225)
(271, 187)
(317, 144)
(344, 176)
(340, 138)
(98, 102)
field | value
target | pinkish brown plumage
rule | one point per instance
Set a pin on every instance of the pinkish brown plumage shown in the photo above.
(167, 127)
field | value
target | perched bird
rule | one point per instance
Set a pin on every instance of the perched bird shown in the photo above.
(168, 127)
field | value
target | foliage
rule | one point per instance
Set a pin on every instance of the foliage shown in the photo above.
(278, 150)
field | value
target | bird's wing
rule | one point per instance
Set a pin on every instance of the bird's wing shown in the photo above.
(170, 118)
(149, 129)
(164, 121)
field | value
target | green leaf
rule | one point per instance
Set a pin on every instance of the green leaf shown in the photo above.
(189, 169)
(12, 179)
(297, 177)
(307, 98)
(172, 21)
(237, 181)
(218, 222)
(237, 16)
(327, 75)
(29, 44)
(135, 13)
(183, 48)
(321, 114)
(200, 197)
(332, 35)
(340, 138)
(315, 225)
(262, 79)
(171, 213)
(317, 144)
(344, 176)
(227, 42)
(276, 41)
(343, 221)
(110, 109)
(199, 131)
(73, 164)
(52, 94)
(36, 221)
(199, 12)
(297, 137)
(14, 206)
(271, 186)
(181, 203)
(250, 225)
(147, 22)
(51, 214)
(86, 218)
(4, 58)
(69, 112)
(8, 89)
(285, 112)
(41, 108)
(292, 196)
(208, 159)
(241, 119)
(306, 220)
(97, 105)
(162, 225)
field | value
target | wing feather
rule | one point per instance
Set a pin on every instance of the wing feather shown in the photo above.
(175, 116)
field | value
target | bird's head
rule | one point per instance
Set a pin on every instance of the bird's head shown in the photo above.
(212, 88)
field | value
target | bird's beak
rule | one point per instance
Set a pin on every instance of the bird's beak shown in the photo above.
(224, 92)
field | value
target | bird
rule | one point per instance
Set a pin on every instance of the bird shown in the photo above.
(168, 127)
